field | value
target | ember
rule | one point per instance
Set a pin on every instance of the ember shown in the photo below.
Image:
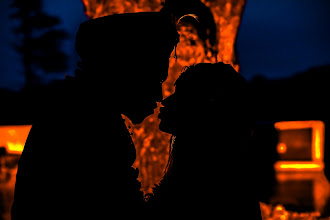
(152, 144)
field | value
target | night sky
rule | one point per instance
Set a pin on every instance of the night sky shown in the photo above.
(277, 38)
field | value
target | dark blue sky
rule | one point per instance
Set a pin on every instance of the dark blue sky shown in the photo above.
(280, 37)
(11, 73)
(277, 38)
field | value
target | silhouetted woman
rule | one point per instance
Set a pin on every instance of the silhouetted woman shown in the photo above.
(210, 172)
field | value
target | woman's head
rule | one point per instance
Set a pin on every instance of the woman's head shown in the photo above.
(207, 97)
(209, 115)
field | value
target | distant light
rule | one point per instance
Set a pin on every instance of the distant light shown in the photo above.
(281, 148)
(13, 137)
(298, 166)
(317, 146)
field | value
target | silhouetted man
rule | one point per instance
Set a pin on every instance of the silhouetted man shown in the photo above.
(72, 166)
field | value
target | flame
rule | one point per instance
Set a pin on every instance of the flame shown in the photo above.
(317, 146)
(13, 137)
(151, 144)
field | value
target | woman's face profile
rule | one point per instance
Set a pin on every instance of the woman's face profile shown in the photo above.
(182, 110)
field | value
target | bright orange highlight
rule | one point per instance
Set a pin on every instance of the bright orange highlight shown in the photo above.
(281, 148)
(299, 166)
(13, 137)
(316, 164)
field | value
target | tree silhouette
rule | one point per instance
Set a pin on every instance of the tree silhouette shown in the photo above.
(39, 40)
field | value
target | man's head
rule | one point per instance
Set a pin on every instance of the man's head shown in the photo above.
(128, 56)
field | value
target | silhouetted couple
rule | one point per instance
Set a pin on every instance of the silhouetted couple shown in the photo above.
(72, 166)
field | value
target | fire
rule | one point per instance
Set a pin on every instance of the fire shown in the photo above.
(152, 144)
(13, 137)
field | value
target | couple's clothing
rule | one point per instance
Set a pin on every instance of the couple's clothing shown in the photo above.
(72, 166)
(215, 179)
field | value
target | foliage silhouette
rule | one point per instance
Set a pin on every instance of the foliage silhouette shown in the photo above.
(39, 40)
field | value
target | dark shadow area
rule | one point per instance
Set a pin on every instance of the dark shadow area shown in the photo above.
(211, 170)
(303, 96)
(72, 165)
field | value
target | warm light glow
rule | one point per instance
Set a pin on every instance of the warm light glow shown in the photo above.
(320, 188)
(188, 15)
(15, 147)
(279, 208)
(298, 166)
(151, 144)
(317, 144)
(271, 212)
(13, 137)
(281, 148)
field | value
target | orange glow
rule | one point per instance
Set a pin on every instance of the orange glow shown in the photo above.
(151, 144)
(298, 166)
(316, 164)
(13, 137)
(278, 212)
(188, 15)
(281, 148)
(320, 188)
(317, 144)
(15, 147)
